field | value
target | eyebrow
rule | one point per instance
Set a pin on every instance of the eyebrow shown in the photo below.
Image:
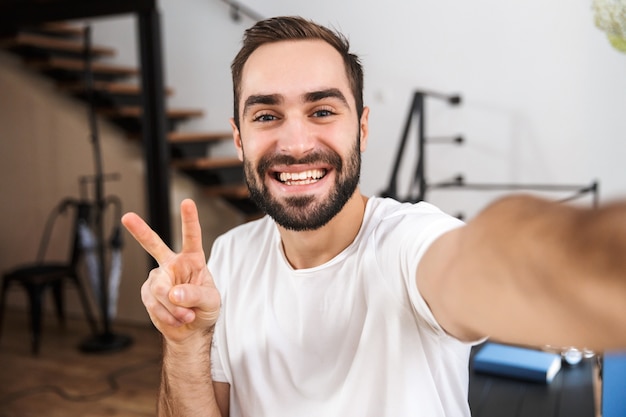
(266, 99)
(314, 96)
(311, 97)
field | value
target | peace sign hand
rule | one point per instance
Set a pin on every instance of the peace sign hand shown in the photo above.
(180, 295)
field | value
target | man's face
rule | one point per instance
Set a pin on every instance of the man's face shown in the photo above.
(300, 137)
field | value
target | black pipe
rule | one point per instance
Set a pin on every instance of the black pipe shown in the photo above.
(98, 182)
(392, 188)
(420, 171)
(153, 124)
(107, 340)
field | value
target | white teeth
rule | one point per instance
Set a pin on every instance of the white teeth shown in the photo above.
(304, 177)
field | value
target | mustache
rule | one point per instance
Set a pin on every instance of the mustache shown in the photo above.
(319, 157)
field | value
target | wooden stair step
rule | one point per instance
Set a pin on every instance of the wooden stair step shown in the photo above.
(239, 191)
(198, 137)
(108, 87)
(136, 112)
(62, 29)
(191, 138)
(53, 44)
(225, 172)
(207, 163)
(77, 65)
(238, 196)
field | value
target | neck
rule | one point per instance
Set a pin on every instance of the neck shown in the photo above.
(312, 248)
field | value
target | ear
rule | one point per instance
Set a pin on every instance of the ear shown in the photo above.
(364, 126)
(237, 138)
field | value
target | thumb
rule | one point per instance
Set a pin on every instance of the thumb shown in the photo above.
(198, 297)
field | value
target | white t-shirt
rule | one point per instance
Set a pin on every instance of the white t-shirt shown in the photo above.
(351, 337)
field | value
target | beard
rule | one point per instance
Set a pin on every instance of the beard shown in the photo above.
(301, 213)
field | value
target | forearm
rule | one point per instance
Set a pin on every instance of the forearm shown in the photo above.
(186, 384)
(568, 266)
(534, 272)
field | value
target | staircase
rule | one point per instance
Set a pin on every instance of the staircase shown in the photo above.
(56, 50)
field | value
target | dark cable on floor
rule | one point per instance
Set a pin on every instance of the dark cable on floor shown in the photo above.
(111, 380)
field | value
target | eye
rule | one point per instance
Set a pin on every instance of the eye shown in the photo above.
(264, 117)
(323, 113)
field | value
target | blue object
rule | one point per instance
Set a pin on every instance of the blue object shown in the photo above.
(614, 384)
(517, 362)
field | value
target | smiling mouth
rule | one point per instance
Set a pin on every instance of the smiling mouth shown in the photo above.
(301, 178)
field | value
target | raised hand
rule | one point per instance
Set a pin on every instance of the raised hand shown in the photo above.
(180, 295)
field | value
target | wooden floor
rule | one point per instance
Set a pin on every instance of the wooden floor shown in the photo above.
(62, 381)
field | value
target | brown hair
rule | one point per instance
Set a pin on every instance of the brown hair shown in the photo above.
(295, 28)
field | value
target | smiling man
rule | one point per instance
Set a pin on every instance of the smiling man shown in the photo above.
(336, 304)
(300, 134)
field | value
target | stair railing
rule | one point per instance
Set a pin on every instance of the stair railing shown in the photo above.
(238, 9)
(419, 185)
(417, 110)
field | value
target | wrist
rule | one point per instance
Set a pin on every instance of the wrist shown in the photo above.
(196, 343)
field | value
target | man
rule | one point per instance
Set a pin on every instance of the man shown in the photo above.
(338, 304)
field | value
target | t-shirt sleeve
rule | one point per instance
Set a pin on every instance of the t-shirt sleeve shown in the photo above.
(403, 238)
(218, 373)
(437, 229)
(217, 369)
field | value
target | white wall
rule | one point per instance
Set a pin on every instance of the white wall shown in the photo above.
(544, 93)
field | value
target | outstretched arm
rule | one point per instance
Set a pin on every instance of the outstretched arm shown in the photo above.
(183, 303)
(532, 272)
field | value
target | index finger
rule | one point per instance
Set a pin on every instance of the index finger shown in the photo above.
(192, 233)
(147, 237)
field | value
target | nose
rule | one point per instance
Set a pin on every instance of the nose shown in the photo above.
(295, 137)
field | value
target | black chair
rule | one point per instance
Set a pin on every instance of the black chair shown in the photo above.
(37, 277)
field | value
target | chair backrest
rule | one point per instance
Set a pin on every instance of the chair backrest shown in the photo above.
(81, 212)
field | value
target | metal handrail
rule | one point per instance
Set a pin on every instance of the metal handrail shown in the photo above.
(417, 110)
(237, 9)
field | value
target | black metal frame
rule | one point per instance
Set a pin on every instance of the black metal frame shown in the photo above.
(417, 110)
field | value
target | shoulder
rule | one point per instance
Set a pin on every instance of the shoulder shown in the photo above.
(400, 233)
(412, 219)
(246, 234)
(241, 247)
(388, 207)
